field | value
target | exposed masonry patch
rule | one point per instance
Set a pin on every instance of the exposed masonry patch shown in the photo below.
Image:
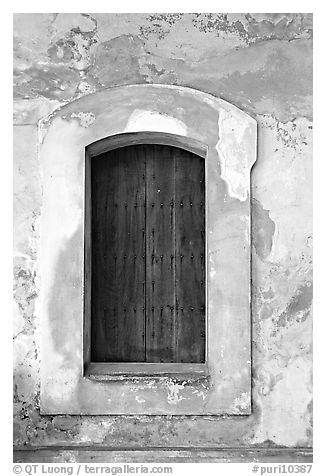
(174, 389)
(242, 402)
(74, 50)
(25, 292)
(85, 118)
(251, 27)
(160, 25)
(293, 134)
(85, 88)
(256, 27)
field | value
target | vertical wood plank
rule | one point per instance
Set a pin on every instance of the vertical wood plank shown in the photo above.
(160, 257)
(190, 256)
(118, 249)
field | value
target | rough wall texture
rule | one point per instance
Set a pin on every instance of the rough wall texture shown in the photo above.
(262, 64)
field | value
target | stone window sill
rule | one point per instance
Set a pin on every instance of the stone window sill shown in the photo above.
(104, 371)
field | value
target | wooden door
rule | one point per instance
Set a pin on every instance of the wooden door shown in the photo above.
(148, 255)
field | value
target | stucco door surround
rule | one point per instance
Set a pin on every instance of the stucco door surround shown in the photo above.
(229, 137)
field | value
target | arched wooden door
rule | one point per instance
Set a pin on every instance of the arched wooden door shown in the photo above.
(148, 255)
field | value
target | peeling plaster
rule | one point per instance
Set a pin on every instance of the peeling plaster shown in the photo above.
(174, 390)
(235, 155)
(245, 58)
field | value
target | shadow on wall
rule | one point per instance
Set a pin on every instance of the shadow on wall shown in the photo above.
(263, 229)
(63, 320)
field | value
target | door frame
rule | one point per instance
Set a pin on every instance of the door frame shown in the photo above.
(230, 137)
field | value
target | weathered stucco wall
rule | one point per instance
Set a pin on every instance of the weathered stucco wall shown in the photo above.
(260, 63)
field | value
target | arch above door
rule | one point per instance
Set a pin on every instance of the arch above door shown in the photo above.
(227, 138)
(149, 137)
